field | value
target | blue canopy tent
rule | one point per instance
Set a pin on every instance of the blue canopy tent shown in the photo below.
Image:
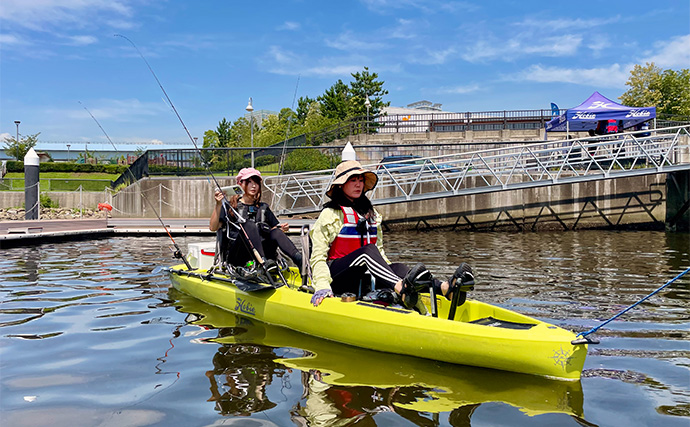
(596, 108)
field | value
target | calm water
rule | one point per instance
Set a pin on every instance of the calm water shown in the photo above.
(90, 337)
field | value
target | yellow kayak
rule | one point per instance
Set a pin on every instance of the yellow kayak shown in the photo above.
(480, 335)
(446, 387)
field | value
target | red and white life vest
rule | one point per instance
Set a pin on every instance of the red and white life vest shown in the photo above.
(348, 238)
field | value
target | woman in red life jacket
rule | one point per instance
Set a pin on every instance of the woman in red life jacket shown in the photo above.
(347, 244)
(262, 227)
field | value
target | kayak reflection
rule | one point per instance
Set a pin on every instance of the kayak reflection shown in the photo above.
(343, 384)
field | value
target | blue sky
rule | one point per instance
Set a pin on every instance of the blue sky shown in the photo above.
(212, 55)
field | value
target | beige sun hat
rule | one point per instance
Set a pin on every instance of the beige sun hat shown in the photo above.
(346, 169)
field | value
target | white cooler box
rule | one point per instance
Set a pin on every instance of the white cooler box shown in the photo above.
(201, 255)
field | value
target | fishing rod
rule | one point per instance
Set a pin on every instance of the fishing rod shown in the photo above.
(585, 340)
(256, 254)
(178, 252)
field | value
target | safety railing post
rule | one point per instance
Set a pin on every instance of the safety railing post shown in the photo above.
(81, 204)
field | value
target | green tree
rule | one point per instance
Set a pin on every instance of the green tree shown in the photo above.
(675, 90)
(224, 133)
(335, 102)
(645, 87)
(668, 90)
(303, 104)
(211, 139)
(308, 159)
(364, 84)
(18, 149)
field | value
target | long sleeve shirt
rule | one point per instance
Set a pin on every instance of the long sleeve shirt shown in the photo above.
(324, 231)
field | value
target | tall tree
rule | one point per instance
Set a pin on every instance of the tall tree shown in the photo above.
(303, 104)
(18, 149)
(224, 133)
(668, 90)
(365, 84)
(675, 90)
(645, 86)
(335, 101)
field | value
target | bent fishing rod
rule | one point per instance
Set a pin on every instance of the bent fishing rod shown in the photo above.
(583, 338)
(252, 249)
(178, 252)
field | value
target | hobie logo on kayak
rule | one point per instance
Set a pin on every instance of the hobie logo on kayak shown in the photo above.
(584, 116)
(638, 113)
(244, 306)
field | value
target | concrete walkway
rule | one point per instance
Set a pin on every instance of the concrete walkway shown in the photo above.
(27, 233)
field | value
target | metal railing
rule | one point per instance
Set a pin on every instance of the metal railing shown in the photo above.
(504, 168)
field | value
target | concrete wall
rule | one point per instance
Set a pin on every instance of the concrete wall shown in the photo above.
(636, 201)
(174, 197)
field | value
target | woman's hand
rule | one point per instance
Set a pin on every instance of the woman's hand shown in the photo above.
(320, 295)
(219, 196)
(285, 227)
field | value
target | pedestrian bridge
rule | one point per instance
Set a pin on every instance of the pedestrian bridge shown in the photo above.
(512, 167)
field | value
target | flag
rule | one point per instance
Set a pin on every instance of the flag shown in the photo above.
(555, 111)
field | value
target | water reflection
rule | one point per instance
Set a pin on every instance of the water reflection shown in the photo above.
(343, 385)
(87, 334)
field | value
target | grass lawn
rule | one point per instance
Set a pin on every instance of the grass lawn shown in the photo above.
(67, 175)
(61, 181)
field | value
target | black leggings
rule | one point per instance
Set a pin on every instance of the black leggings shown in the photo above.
(267, 245)
(349, 273)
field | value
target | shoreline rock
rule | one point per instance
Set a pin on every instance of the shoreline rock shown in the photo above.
(18, 214)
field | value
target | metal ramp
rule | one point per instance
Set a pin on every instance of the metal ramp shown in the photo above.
(513, 167)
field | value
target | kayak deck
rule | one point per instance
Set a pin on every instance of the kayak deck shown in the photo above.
(480, 334)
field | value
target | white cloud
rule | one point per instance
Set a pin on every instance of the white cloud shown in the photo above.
(612, 76)
(289, 26)
(347, 41)
(116, 110)
(12, 40)
(558, 46)
(672, 54)
(459, 90)
(282, 56)
(431, 57)
(426, 6)
(82, 40)
(37, 15)
(560, 25)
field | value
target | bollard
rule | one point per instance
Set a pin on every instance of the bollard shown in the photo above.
(31, 177)
(349, 152)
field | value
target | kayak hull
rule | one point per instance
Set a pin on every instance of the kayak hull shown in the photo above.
(481, 335)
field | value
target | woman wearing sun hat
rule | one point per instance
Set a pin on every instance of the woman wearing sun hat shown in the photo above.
(347, 243)
(262, 227)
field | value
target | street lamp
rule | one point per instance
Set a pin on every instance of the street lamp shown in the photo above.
(250, 109)
(16, 122)
(68, 156)
(367, 104)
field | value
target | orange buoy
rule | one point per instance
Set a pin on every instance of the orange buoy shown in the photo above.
(102, 206)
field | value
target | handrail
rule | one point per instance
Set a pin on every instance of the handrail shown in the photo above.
(503, 168)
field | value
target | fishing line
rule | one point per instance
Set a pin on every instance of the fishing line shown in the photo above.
(203, 161)
(596, 328)
(178, 252)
